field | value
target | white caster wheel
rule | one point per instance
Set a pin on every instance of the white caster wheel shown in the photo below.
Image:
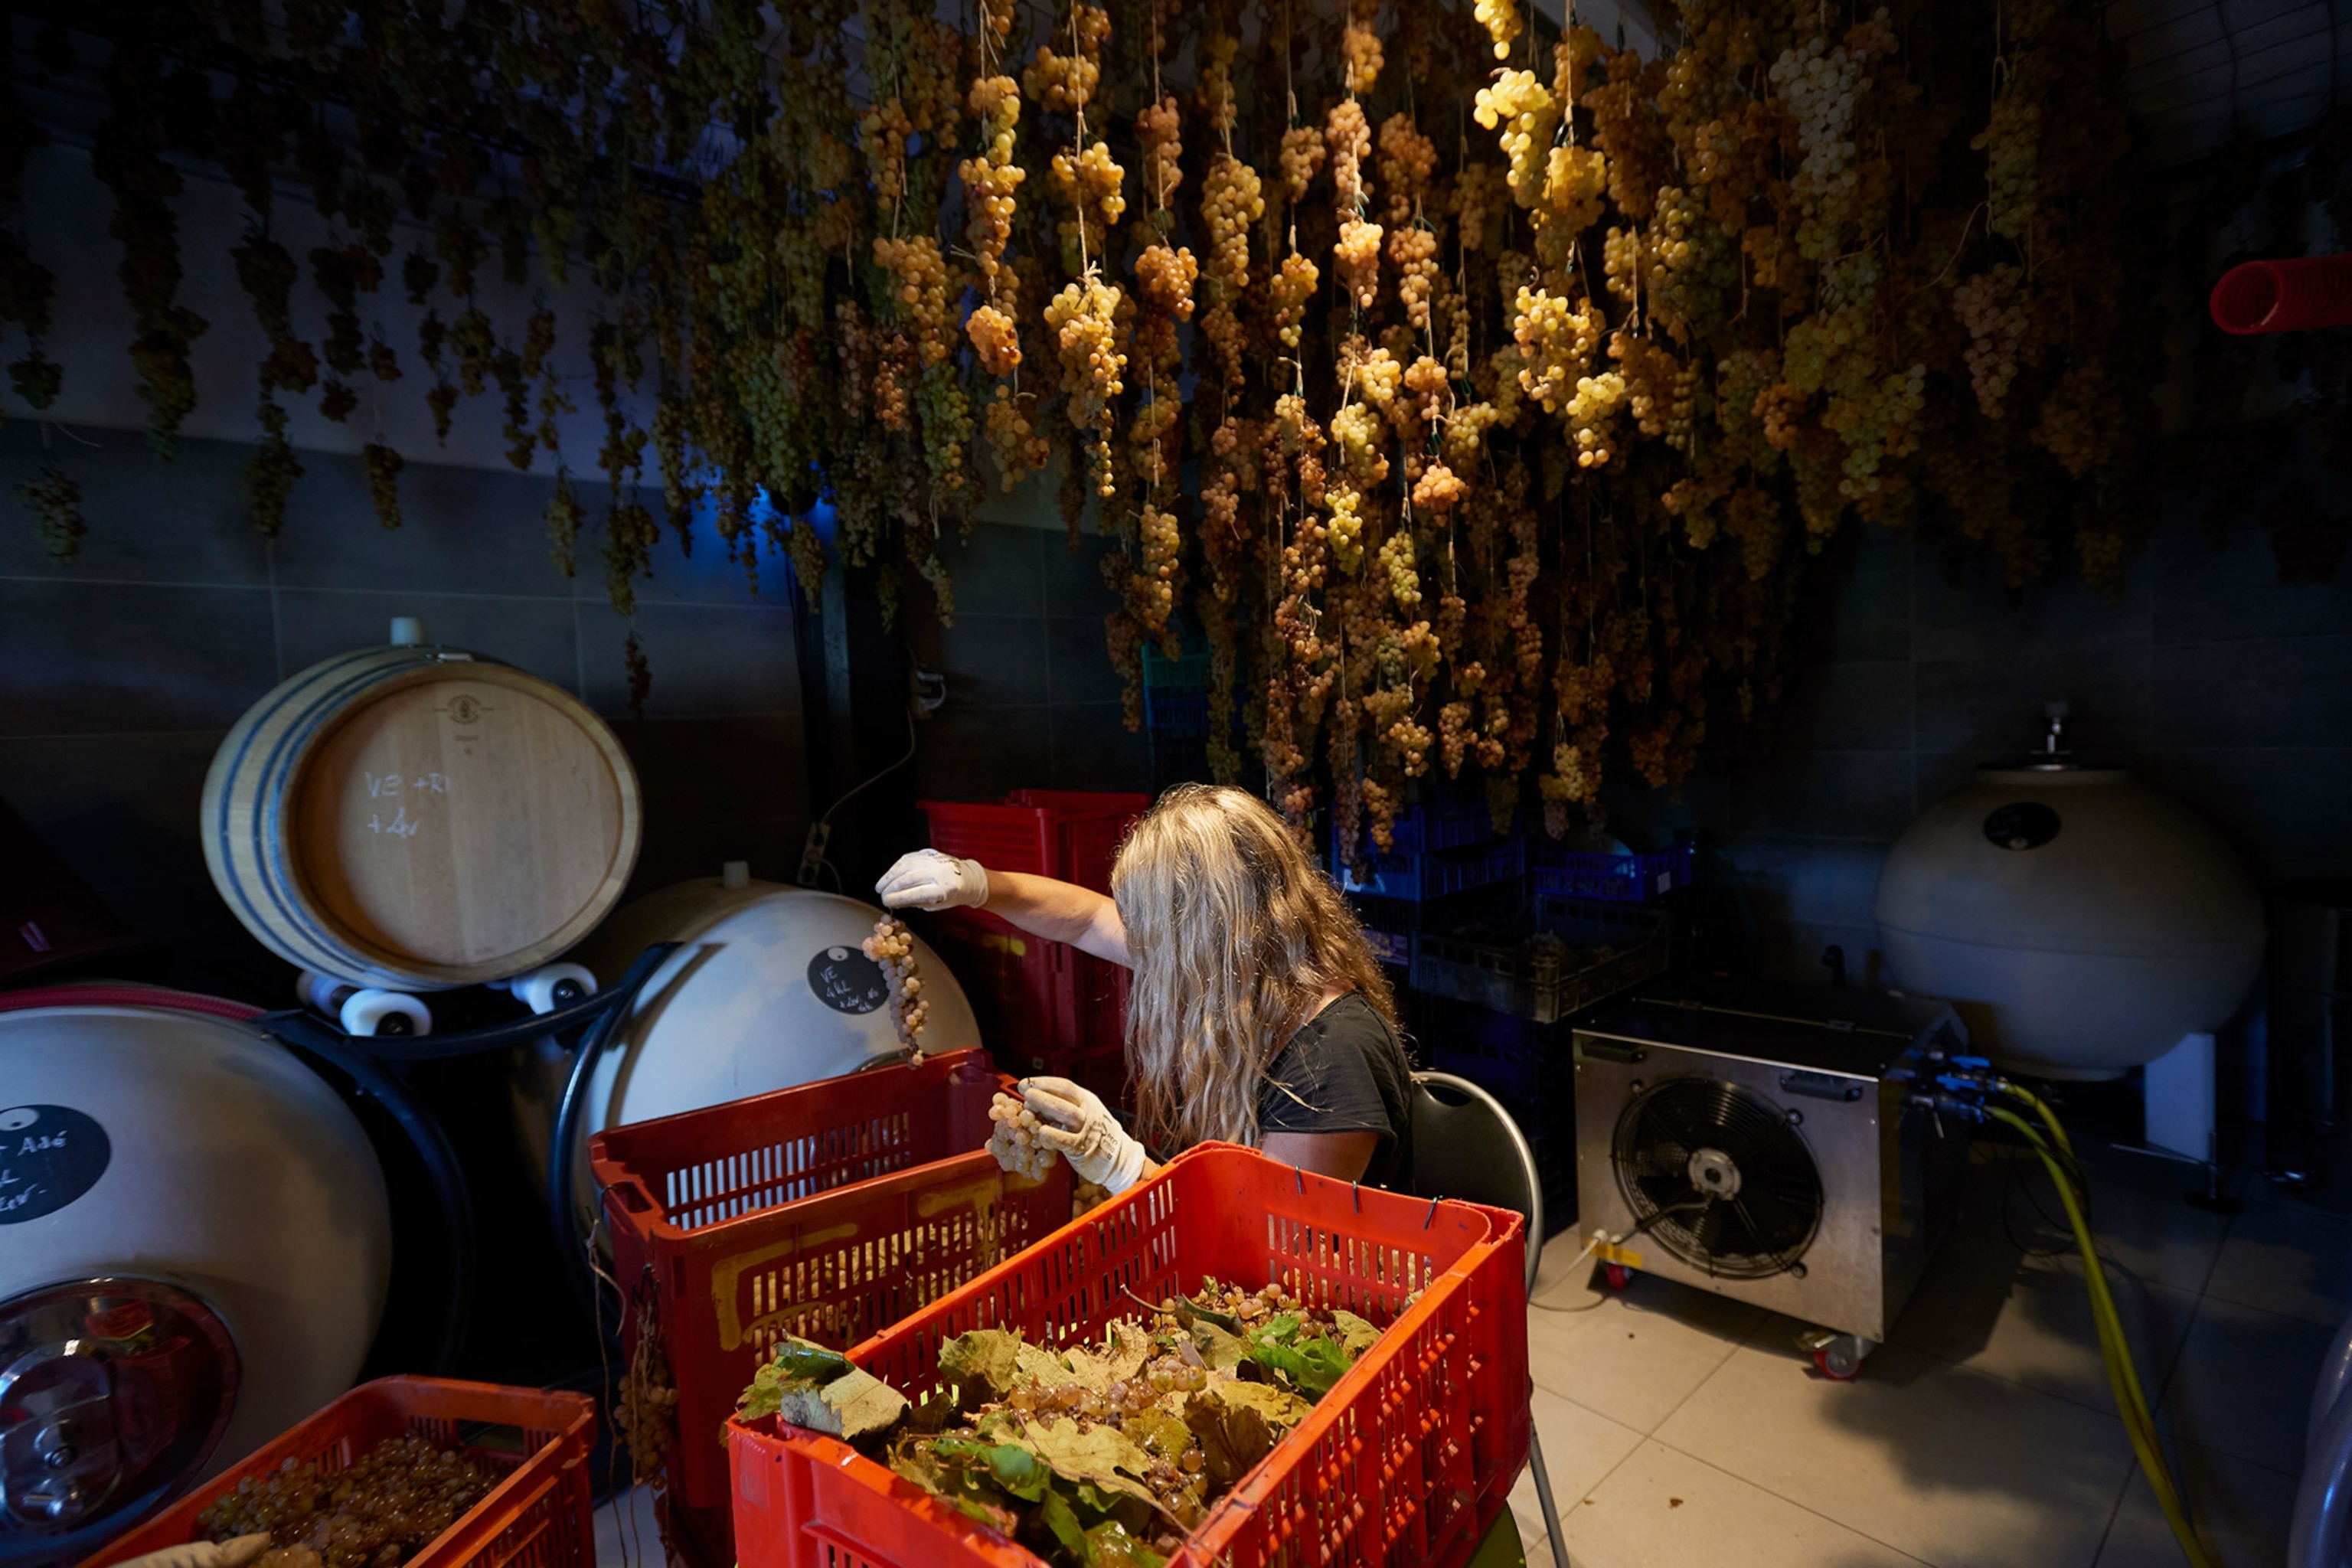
(550, 986)
(321, 993)
(371, 1012)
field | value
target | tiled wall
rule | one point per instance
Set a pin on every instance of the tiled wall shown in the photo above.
(2207, 675)
(120, 671)
(1033, 701)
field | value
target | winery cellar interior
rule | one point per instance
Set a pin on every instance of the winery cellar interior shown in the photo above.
(1287, 782)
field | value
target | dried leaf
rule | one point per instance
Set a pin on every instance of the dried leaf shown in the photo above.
(1356, 1335)
(1233, 1436)
(1102, 1455)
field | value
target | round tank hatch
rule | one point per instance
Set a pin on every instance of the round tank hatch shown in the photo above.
(112, 1393)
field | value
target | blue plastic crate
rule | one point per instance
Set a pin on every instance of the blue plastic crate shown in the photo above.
(1613, 879)
(1442, 824)
(1555, 958)
(1436, 875)
(1176, 714)
(1389, 925)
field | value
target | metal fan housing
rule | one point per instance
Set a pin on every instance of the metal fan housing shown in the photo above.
(1762, 1146)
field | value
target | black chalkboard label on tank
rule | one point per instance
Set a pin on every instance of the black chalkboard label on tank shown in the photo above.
(49, 1156)
(2022, 825)
(847, 981)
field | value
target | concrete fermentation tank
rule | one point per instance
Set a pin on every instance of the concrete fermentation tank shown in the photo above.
(2082, 921)
(767, 989)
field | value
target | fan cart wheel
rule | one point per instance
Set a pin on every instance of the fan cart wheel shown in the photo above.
(1619, 1275)
(1839, 1361)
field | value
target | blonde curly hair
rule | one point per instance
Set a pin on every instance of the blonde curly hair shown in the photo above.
(1237, 935)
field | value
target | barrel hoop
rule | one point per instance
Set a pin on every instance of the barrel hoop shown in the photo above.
(252, 726)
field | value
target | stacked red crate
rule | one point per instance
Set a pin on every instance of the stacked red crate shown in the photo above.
(1043, 1007)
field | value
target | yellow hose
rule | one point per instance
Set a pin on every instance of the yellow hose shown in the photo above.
(2123, 1376)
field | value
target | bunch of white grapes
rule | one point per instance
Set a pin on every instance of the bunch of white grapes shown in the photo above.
(892, 946)
(1015, 1141)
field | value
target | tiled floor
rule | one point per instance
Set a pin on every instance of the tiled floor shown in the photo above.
(1680, 1427)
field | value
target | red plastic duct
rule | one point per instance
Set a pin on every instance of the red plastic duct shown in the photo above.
(2285, 296)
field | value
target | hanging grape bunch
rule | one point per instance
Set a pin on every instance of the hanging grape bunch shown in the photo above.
(892, 946)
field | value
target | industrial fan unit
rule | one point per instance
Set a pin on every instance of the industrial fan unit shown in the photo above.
(1772, 1149)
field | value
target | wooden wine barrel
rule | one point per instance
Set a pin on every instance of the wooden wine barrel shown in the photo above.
(419, 818)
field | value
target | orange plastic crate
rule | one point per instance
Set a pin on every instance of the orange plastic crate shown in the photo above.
(830, 1211)
(536, 1517)
(1406, 1461)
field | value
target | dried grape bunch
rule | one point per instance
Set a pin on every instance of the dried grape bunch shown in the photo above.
(1407, 161)
(1012, 436)
(1994, 315)
(1350, 137)
(1290, 289)
(1087, 182)
(1501, 20)
(1084, 317)
(1157, 129)
(1065, 84)
(921, 290)
(892, 946)
(55, 501)
(1357, 256)
(1232, 199)
(1414, 251)
(1014, 1141)
(1302, 158)
(1525, 114)
(377, 1513)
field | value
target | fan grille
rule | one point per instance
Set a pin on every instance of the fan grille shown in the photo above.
(1765, 1225)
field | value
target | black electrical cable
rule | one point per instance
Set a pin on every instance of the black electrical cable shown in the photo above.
(570, 1111)
(376, 1081)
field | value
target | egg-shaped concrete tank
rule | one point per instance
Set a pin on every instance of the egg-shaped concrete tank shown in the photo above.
(767, 989)
(2081, 920)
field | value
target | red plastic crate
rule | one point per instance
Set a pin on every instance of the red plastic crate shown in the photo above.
(538, 1517)
(1073, 835)
(1406, 1461)
(830, 1211)
(1042, 1006)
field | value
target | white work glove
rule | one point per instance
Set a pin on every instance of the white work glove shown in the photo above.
(233, 1554)
(927, 879)
(1080, 1125)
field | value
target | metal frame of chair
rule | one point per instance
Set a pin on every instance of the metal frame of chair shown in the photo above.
(1533, 1208)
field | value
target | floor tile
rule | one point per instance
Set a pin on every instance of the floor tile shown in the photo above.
(1579, 1449)
(1951, 1466)
(2027, 1318)
(2241, 1510)
(1632, 1356)
(2138, 1215)
(2243, 1384)
(1662, 1509)
(2290, 1257)
(626, 1536)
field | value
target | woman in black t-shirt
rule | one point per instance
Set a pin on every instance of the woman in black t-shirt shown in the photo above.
(1258, 1013)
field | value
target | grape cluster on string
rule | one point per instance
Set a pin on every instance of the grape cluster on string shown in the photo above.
(1015, 1139)
(892, 946)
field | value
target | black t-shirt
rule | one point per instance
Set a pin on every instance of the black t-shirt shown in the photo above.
(1344, 1071)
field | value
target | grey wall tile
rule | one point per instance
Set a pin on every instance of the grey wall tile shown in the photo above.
(1866, 616)
(1000, 570)
(1074, 584)
(153, 521)
(1094, 749)
(83, 658)
(982, 753)
(995, 661)
(210, 951)
(1848, 707)
(1975, 619)
(679, 849)
(533, 634)
(693, 572)
(2203, 594)
(704, 659)
(717, 772)
(1824, 794)
(462, 530)
(2285, 808)
(1983, 709)
(1080, 667)
(1803, 880)
(2290, 691)
(121, 809)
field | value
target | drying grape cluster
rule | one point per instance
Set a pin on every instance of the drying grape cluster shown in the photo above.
(378, 1512)
(892, 946)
